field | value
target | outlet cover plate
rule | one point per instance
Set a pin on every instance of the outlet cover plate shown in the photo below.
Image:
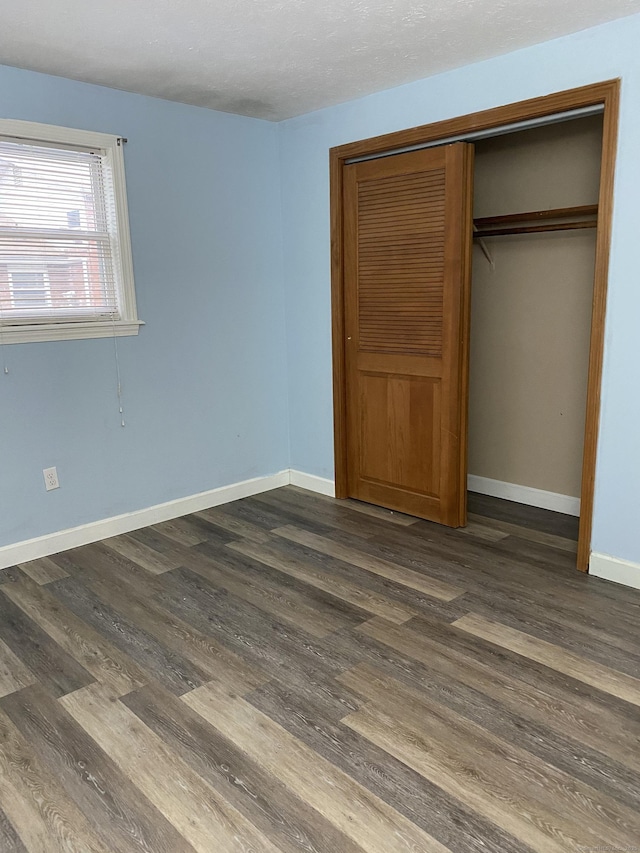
(50, 478)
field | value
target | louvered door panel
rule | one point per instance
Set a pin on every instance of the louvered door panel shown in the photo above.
(407, 249)
(400, 262)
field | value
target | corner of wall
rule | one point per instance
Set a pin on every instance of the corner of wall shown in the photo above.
(283, 291)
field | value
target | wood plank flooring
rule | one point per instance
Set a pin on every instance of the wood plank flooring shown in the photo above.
(293, 673)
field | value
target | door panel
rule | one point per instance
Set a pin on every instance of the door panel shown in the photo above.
(408, 229)
(404, 407)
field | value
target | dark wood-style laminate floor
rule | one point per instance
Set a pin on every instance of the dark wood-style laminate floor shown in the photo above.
(292, 673)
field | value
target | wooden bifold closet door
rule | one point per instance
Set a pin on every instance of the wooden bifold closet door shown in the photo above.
(407, 249)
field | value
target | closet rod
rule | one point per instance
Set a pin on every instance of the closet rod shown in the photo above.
(557, 213)
(533, 229)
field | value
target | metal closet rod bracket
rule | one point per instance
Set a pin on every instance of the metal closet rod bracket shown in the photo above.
(484, 247)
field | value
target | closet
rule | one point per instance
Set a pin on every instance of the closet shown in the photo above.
(535, 216)
(441, 382)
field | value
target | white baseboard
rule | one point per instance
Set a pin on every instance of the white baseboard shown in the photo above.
(85, 534)
(313, 483)
(524, 494)
(615, 569)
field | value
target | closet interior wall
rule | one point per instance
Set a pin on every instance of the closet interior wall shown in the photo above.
(531, 314)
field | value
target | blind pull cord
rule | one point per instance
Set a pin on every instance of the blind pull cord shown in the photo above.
(117, 364)
(3, 351)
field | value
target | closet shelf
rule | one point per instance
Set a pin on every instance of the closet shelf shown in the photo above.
(494, 226)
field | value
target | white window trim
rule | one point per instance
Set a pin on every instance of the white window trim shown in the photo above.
(128, 324)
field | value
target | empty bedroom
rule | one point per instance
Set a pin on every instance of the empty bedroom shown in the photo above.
(319, 467)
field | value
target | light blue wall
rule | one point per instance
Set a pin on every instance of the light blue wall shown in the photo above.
(204, 382)
(593, 55)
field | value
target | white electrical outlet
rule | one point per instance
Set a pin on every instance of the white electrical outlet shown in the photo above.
(50, 479)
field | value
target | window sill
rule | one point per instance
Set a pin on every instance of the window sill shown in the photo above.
(68, 331)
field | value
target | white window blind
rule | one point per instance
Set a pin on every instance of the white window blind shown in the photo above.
(40, 188)
(64, 245)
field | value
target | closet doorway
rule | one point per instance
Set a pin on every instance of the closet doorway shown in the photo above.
(396, 400)
(531, 301)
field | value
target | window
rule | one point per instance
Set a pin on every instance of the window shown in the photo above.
(65, 255)
(29, 286)
(73, 218)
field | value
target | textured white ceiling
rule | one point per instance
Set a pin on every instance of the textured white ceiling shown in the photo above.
(276, 58)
